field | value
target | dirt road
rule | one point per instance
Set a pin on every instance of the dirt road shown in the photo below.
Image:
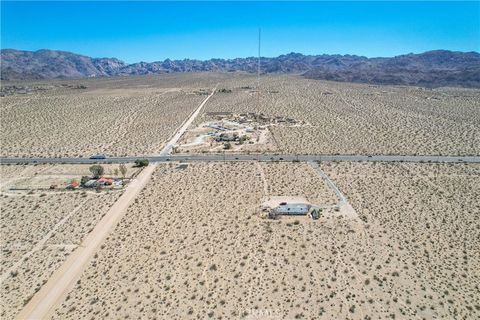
(345, 208)
(173, 141)
(54, 291)
(43, 304)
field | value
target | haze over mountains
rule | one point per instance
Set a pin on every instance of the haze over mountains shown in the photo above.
(429, 69)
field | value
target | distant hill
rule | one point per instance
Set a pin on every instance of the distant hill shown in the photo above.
(430, 69)
(51, 64)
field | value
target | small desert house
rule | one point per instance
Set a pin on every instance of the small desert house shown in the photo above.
(292, 209)
(295, 209)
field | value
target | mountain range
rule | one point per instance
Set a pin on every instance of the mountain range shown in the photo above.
(430, 69)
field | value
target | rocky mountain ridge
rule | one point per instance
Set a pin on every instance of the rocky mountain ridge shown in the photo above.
(429, 69)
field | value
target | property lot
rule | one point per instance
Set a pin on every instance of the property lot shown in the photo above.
(217, 256)
(430, 215)
(349, 118)
(134, 116)
(297, 179)
(81, 122)
(40, 227)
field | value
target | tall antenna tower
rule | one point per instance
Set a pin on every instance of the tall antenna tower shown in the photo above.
(258, 70)
(258, 67)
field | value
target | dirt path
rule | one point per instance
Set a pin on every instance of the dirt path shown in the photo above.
(20, 176)
(264, 180)
(173, 141)
(346, 208)
(40, 244)
(54, 291)
(43, 304)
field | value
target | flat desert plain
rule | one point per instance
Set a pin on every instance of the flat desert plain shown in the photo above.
(345, 118)
(135, 115)
(429, 214)
(196, 245)
(96, 117)
(395, 240)
(39, 227)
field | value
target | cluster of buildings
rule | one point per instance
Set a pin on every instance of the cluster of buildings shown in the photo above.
(103, 182)
(251, 117)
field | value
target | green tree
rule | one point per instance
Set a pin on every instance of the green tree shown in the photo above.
(97, 170)
(84, 180)
(141, 163)
(115, 172)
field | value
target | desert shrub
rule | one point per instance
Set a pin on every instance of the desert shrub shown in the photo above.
(123, 169)
(141, 163)
(97, 170)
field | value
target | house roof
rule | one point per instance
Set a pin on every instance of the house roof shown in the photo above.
(292, 207)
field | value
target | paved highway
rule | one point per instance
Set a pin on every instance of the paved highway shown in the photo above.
(250, 157)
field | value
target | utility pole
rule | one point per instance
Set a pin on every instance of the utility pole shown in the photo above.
(258, 69)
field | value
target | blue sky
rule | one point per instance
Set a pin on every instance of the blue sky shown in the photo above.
(151, 31)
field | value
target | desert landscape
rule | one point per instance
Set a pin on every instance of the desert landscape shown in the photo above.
(81, 121)
(429, 215)
(135, 116)
(199, 239)
(229, 261)
(257, 160)
(40, 226)
(345, 118)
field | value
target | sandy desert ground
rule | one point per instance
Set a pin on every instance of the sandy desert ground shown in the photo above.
(135, 115)
(117, 121)
(429, 214)
(348, 118)
(196, 246)
(295, 179)
(39, 228)
(20, 179)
